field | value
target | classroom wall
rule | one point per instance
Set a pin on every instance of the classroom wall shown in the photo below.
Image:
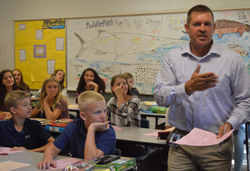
(11, 10)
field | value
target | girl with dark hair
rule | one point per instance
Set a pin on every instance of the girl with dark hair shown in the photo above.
(8, 84)
(123, 109)
(90, 80)
(19, 80)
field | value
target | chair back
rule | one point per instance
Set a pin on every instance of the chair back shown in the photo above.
(144, 123)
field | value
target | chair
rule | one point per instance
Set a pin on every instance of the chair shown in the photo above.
(144, 123)
(72, 116)
(118, 152)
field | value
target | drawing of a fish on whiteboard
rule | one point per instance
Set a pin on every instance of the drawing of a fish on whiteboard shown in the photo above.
(124, 43)
(228, 26)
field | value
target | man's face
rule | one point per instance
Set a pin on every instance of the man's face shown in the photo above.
(200, 29)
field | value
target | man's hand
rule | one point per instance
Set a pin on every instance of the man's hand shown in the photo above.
(222, 127)
(200, 82)
(46, 163)
(17, 148)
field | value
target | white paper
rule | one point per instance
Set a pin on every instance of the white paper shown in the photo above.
(39, 51)
(59, 43)
(39, 34)
(199, 137)
(22, 26)
(22, 55)
(51, 66)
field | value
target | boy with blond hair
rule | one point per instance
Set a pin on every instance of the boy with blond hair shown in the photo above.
(20, 132)
(129, 77)
(88, 137)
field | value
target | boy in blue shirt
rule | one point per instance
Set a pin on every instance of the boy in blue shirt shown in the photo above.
(88, 137)
(20, 132)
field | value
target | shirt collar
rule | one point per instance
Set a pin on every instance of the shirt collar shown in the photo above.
(214, 51)
(11, 126)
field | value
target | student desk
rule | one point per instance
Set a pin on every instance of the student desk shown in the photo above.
(131, 135)
(27, 157)
(154, 115)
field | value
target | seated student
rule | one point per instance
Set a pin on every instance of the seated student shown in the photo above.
(88, 137)
(7, 85)
(19, 80)
(20, 132)
(90, 80)
(60, 75)
(129, 77)
(51, 101)
(123, 108)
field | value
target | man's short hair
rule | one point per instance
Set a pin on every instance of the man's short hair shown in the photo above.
(13, 97)
(198, 8)
(87, 97)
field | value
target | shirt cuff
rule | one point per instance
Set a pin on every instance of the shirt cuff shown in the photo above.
(234, 122)
(181, 92)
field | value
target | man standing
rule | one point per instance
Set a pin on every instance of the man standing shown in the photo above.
(206, 86)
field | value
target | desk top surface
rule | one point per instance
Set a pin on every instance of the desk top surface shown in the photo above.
(27, 157)
(137, 135)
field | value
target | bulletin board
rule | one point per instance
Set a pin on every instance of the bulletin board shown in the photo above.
(139, 43)
(39, 49)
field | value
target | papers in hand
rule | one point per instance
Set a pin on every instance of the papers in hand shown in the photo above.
(199, 137)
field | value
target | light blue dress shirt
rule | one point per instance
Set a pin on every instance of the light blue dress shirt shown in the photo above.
(229, 101)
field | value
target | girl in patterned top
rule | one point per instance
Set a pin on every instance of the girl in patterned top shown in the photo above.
(123, 109)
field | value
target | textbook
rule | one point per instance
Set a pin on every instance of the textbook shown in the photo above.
(121, 164)
(147, 105)
(61, 122)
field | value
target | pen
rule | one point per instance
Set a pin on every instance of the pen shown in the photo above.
(223, 134)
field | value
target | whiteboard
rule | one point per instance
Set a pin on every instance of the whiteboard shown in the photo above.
(139, 44)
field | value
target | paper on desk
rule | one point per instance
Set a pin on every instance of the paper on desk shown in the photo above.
(116, 128)
(6, 151)
(199, 137)
(152, 134)
(63, 163)
(11, 165)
